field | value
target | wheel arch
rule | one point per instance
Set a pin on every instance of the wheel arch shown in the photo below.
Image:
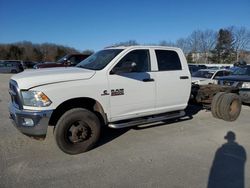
(83, 102)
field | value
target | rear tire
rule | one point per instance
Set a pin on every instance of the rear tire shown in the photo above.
(230, 107)
(215, 105)
(77, 131)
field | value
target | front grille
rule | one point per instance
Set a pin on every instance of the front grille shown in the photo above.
(14, 94)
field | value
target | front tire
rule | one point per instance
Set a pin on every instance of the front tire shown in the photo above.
(77, 131)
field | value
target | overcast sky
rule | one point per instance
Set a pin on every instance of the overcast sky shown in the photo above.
(95, 24)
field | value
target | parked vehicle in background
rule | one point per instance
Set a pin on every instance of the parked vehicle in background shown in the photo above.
(208, 76)
(29, 64)
(240, 78)
(195, 67)
(66, 61)
(240, 64)
(11, 66)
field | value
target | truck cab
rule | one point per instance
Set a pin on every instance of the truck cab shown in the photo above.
(116, 87)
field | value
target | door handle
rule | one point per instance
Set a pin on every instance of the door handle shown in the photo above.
(148, 80)
(183, 77)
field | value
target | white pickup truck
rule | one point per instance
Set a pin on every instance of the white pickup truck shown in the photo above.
(116, 87)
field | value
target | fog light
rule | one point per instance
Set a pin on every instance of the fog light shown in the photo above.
(28, 122)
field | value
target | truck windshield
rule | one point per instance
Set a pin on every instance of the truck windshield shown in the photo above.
(99, 60)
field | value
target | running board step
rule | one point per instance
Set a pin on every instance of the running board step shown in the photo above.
(146, 120)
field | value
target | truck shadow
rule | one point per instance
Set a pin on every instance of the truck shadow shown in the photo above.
(246, 104)
(228, 165)
(109, 134)
(193, 109)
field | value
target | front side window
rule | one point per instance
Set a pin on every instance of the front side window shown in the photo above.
(100, 59)
(139, 58)
(168, 60)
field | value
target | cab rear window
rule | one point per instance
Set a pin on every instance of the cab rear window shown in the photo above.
(168, 60)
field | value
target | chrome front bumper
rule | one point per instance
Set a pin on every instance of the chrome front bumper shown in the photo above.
(40, 121)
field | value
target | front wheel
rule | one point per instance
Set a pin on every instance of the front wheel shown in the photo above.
(77, 131)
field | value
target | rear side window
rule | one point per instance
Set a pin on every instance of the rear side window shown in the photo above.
(168, 60)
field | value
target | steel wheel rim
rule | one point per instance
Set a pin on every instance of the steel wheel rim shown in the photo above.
(78, 132)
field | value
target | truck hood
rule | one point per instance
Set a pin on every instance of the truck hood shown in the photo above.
(32, 78)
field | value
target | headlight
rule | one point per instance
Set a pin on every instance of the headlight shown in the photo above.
(35, 98)
(246, 85)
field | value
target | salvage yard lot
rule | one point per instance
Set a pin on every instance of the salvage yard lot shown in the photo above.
(173, 154)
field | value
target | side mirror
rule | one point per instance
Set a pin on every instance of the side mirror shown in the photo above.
(125, 68)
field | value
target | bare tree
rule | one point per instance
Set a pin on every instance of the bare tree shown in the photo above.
(195, 41)
(184, 44)
(207, 42)
(201, 43)
(166, 43)
(28, 51)
(88, 52)
(241, 39)
(126, 43)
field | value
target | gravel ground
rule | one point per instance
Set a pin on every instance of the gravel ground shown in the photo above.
(188, 153)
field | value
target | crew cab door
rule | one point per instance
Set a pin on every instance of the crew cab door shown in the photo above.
(132, 86)
(173, 82)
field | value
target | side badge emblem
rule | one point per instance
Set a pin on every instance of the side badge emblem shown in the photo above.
(105, 92)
